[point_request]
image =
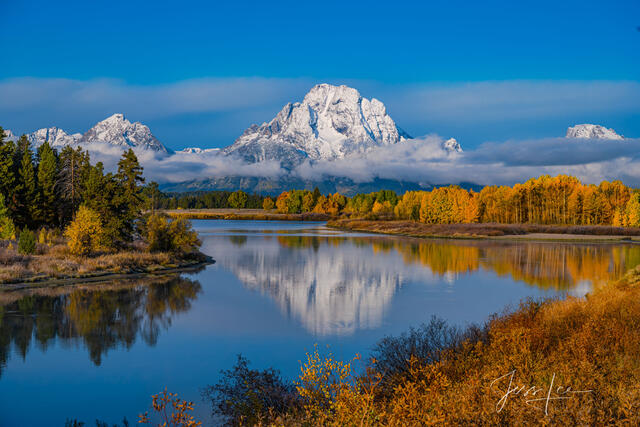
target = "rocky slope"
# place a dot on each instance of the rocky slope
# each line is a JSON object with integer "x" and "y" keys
{"x": 588, "y": 131}
{"x": 117, "y": 130}
{"x": 114, "y": 130}
{"x": 331, "y": 122}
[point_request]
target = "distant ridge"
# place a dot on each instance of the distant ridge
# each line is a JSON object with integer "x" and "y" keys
{"x": 114, "y": 130}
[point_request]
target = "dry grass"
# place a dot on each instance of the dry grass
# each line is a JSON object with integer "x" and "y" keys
{"x": 57, "y": 263}
{"x": 560, "y": 362}
{"x": 417, "y": 229}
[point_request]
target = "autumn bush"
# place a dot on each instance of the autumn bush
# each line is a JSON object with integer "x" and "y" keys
{"x": 268, "y": 204}
{"x": 85, "y": 234}
{"x": 170, "y": 235}
{"x": 169, "y": 411}
{"x": 556, "y": 362}
{"x": 238, "y": 199}
{"x": 585, "y": 352}
{"x": 245, "y": 396}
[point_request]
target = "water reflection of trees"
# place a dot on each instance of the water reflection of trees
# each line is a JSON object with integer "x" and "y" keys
{"x": 557, "y": 266}
{"x": 336, "y": 285}
{"x": 102, "y": 317}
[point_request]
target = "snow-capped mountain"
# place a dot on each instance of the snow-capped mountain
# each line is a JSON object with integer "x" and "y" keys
{"x": 587, "y": 131}
{"x": 117, "y": 130}
{"x": 114, "y": 130}
{"x": 452, "y": 145}
{"x": 331, "y": 122}
{"x": 56, "y": 137}
{"x": 9, "y": 136}
{"x": 198, "y": 150}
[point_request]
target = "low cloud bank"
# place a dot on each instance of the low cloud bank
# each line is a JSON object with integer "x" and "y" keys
{"x": 421, "y": 160}
{"x": 212, "y": 112}
{"x": 181, "y": 166}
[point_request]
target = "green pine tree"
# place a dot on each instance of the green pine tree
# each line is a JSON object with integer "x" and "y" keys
{"x": 74, "y": 168}
{"x": 47, "y": 178}
{"x": 152, "y": 195}
{"x": 26, "y": 188}
{"x": 7, "y": 169}
{"x": 130, "y": 179}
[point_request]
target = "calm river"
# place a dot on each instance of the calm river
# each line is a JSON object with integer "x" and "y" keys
{"x": 276, "y": 289}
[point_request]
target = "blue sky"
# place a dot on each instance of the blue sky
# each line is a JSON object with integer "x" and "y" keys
{"x": 478, "y": 71}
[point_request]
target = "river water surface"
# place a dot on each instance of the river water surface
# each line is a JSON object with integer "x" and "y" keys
{"x": 276, "y": 290}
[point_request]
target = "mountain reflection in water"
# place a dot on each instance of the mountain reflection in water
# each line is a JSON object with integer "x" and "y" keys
{"x": 102, "y": 317}
{"x": 336, "y": 285}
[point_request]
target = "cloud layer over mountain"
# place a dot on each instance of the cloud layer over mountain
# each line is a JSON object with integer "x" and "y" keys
{"x": 420, "y": 160}
{"x": 333, "y": 120}
{"x": 212, "y": 112}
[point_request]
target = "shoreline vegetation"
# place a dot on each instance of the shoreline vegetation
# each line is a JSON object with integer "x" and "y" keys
{"x": 63, "y": 218}
{"x": 245, "y": 214}
{"x": 56, "y": 268}
{"x": 543, "y": 208}
{"x": 596, "y": 233}
{"x": 572, "y": 361}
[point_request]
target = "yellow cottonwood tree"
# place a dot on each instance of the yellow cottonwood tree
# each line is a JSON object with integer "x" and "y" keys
{"x": 85, "y": 233}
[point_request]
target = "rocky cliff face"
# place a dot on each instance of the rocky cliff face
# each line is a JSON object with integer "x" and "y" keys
{"x": 114, "y": 130}
{"x": 331, "y": 122}
{"x": 587, "y": 131}
{"x": 117, "y": 130}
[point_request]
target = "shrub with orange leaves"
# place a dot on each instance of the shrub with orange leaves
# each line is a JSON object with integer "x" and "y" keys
{"x": 172, "y": 411}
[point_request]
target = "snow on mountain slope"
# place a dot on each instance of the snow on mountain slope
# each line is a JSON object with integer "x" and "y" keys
{"x": 117, "y": 130}
{"x": 452, "y": 145}
{"x": 114, "y": 130}
{"x": 198, "y": 150}
{"x": 331, "y": 122}
{"x": 588, "y": 131}
{"x": 56, "y": 137}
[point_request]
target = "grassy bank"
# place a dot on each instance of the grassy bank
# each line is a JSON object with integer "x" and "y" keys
{"x": 56, "y": 263}
{"x": 557, "y": 362}
{"x": 417, "y": 229}
{"x": 245, "y": 214}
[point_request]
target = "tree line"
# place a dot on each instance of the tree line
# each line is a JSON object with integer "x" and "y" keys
{"x": 53, "y": 191}
{"x": 561, "y": 199}
{"x": 46, "y": 188}
{"x": 208, "y": 200}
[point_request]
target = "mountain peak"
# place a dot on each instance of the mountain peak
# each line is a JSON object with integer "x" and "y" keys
{"x": 117, "y": 130}
{"x": 452, "y": 145}
{"x": 115, "y": 118}
{"x": 589, "y": 131}
{"x": 114, "y": 130}
{"x": 330, "y": 122}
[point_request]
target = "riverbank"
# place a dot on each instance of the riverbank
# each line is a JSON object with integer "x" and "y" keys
{"x": 570, "y": 361}
{"x": 244, "y": 214}
{"x": 491, "y": 231}
{"x": 57, "y": 267}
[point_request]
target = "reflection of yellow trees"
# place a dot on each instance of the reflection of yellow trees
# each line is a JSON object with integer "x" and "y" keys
{"x": 103, "y": 318}
{"x": 440, "y": 257}
{"x": 547, "y": 265}
{"x": 552, "y": 266}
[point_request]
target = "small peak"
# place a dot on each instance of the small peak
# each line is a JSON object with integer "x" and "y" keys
{"x": 117, "y": 117}
{"x": 326, "y": 88}
{"x": 590, "y": 131}
{"x": 452, "y": 145}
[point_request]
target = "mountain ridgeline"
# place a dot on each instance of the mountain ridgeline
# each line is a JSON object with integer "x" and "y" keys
{"x": 331, "y": 123}
{"x": 115, "y": 130}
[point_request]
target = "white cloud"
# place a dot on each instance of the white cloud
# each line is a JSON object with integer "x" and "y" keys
{"x": 214, "y": 111}
{"x": 74, "y": 105}
{"x": 180, "y": 167}
{"x": 421, "y": 160}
